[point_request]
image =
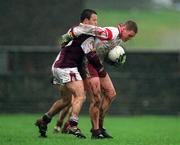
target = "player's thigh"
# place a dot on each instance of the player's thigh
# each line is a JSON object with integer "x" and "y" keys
{"x": 86, "y": 85}
{"x": 94, "y": 85}
{"x": 76, "y": 88}
{"x": 64, "y": 91}
{"x": 65, "y": 94}
{"x": 107, "y": 86}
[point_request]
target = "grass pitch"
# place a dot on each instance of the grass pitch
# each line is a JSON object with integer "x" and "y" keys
{"x": 19, "y": 129}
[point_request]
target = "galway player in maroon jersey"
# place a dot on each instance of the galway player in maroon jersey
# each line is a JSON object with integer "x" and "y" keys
{"x": 65, "y": 72}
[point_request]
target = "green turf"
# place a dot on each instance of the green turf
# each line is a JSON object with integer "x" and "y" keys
{"x": 158, "y": 29}
{"x": 138, "y": 130}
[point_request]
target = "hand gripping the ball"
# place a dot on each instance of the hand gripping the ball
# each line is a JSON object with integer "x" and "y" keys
{"x": 121, "y": 59}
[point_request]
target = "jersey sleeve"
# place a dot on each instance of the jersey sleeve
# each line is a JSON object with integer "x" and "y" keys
{"x": 100, "y": 32}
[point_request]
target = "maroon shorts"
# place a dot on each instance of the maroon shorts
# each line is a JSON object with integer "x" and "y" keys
{"x": 88, "y": 71}
{"x": 92, "y": 71}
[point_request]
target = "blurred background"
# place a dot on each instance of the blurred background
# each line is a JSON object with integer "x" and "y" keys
{"x": 149, "y": 82}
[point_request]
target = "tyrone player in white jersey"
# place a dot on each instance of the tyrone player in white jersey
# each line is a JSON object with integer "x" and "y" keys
{"x": 109, "y": 37}
{"x": 112, "y": 36}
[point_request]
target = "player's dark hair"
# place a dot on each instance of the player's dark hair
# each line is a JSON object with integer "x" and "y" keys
{"x": 131, "y": 25}
{"x": 86, "y": 14}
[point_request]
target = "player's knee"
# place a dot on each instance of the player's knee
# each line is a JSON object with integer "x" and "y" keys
{"x": 111, "y": 95}
{"x": 96, "y": 101}
{"x": 114, "y": 94}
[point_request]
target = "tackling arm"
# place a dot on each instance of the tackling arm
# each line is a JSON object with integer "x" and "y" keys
{"x": 94, "y": 60}
{"x": 101, "y": 33}
{"x": 88, "y": 48}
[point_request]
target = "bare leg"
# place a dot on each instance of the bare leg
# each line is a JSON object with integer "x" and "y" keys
{"x": 66, "y": 124}
{"x": 61, "y": 103}
{"x": 95, "y": 98}
{"x": 56, "y": 107}
{"x": 66, "y": 112}
{"x": 77, "y": 89}
{"x": 60, "y": 121}
{"x": 62, "y": 116}
{"x": 109, "y": 96}
{"x": 106, "y": 102}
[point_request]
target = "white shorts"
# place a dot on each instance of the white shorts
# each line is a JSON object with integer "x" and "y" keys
{"x": 65, "y": 75}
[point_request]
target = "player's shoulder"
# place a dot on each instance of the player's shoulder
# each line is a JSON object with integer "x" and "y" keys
{"x": 113, "y": 30}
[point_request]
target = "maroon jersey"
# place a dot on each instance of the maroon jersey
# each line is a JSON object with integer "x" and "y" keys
{"x": 72, "y": 54}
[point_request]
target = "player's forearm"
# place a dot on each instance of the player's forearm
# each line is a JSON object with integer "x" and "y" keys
{"x": 95, "y": 61}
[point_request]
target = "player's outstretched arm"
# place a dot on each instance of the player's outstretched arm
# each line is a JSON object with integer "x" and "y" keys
{"x": 102, "y": 33}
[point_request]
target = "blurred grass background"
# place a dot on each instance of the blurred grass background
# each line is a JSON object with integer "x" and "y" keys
{"x": 158, "y": 30}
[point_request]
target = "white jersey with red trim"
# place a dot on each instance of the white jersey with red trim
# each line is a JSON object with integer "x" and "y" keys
{"x": 106, "y": 37}
{"x": 104, "y": 46}
{"x": 110, "y": 36}
{"x": 109, "y": 43}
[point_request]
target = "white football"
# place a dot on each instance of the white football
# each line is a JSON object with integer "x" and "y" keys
{"x": 115, "y": 53}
